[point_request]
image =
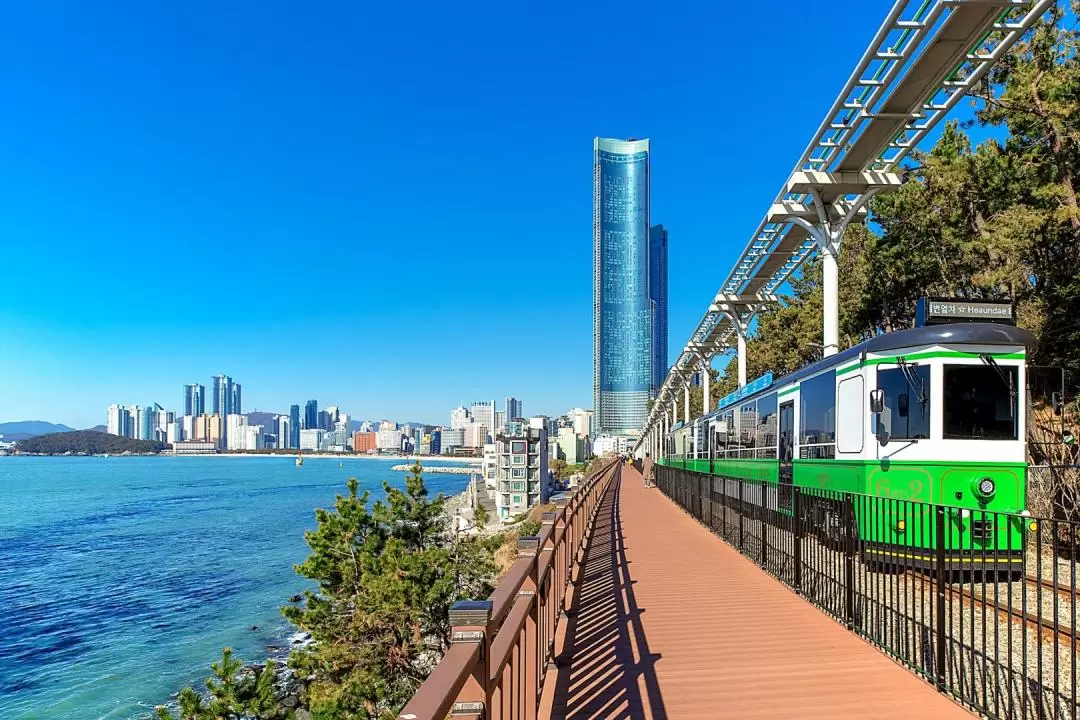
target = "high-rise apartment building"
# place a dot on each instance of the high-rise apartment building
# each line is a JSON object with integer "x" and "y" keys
{"x": 459, "y": 416}
{"x": 622, "y": 328}
{"x": 118, "y": 421}
{"x": 311, "y": 415}
{"x": 513, "y": 409}
{"x": 294, "y": 427}
{"x": 226, "y": 397}
{"x": 483, "y": 413}
{"x": 284, "y": 430}
{"x": 194, "y": 399}
{"x": 658, "y": 295}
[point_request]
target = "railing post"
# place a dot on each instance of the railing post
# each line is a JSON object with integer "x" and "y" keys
{"x": 763, "y": 514}
{"x": 796, "y": 535}
{"x": 847, "y": 519}
{"x": 563, "y": 554}
{"x": 742, "y": 507}
{"x": 939, "y": 547}
{"x": 529, "y": 547}
{"x": 548, "y": 587}
{"x": 470, "y": 622}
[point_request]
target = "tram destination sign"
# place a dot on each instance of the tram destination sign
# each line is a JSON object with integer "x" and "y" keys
{"x": 942, "y": 311}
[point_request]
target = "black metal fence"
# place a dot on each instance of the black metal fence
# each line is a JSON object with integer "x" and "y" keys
{"x": 981, "y": 604}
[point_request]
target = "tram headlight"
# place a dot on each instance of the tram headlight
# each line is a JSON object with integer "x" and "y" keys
{"x": 985, "y": 487}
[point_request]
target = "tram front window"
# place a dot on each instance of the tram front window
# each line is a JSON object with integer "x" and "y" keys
{"x": 980, "y": 402}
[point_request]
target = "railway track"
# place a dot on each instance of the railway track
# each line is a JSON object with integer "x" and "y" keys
{"x": 1047, "y": 628}
{"x": 1067, "y": 592}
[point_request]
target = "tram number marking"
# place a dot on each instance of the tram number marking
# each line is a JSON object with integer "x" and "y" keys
{"x": 910, "y": 490}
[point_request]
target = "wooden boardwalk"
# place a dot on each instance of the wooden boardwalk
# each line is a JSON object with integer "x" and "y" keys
{"x": 668, "y": 621}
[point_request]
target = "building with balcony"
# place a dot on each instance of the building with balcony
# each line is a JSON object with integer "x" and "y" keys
{"x": 521, "y": 471}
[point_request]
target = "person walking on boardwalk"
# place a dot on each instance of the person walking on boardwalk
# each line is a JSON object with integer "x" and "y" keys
{"x": 648, "y": 471}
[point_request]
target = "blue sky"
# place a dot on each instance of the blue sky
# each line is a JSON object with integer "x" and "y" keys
{"x": 384, "y": 206}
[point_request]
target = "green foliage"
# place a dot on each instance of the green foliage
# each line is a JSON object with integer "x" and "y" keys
{"x": 88, "y": 442}
{"x": 998, "y": 220}
{"x": 386, "y": 577}
{"x": 480, "y": 516}
{"x": 564, "y": 470}
{"x": 232, "y": 692}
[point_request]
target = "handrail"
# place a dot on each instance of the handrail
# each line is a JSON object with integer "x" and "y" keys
{"x": 501, "y": 646}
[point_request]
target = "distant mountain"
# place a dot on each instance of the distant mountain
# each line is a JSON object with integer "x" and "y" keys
{"x": 30, "y": 428}
{"x": 97, "y": 428}
{"x": 85, "y": 442}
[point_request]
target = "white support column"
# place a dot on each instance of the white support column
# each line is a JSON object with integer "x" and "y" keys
{"x": 830, "y": 289}
{"x": 686, "y": 403}
{"x": 827, "y": 235}
{"x": 705, "y": 365}
{"x": 674, "y": 408}
{"x": 740, "y": 333}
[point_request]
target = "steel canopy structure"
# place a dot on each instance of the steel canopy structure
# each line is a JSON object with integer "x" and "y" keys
{"x": 924, "y": 58}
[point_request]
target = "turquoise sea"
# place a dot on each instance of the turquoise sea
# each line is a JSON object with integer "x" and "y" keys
{"x": 122, "y": 578}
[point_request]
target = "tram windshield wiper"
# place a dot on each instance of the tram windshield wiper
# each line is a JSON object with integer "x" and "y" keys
{"x": 1005, "y": 378}
{"x": 913, "y": 380}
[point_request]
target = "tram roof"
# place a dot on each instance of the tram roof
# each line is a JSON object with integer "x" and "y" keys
{"x": 954, "y": 334}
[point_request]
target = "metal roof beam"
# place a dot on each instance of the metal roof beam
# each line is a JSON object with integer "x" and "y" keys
{"x": 842, "y": 183}
{"x": 785, "y": 211}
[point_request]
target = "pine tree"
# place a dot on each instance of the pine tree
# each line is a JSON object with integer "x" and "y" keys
{"x": 387, "y": 576}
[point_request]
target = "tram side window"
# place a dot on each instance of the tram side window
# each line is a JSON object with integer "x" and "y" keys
{"x": 817, "y": 401}
{"x": 748, "y": 424}
{"x": 980, "y": 402}
{"x": 907, "y": 401}
{"x": 765, "y": 433}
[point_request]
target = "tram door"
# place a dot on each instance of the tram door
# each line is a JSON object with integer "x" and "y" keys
{"x": 784, "y": 452}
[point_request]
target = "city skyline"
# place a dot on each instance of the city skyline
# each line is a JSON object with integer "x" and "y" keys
{"x": 298, "y": 167}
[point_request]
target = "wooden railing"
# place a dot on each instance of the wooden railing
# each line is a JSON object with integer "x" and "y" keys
{"x": 502, "y": 647}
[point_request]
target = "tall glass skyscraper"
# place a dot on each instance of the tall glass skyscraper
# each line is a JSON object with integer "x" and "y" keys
{"x": 194, "y": 399}
{"x": 658, "y": 239}
{"x": 622, "y": 323}
{"x": 294, "y": 426}
{"x": 311, "y": 415}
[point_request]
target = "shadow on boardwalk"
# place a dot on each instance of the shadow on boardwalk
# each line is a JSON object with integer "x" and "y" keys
{"x": 606, "y": 670}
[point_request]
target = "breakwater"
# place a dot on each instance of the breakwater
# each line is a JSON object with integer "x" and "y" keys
{"x": 467, "y": 470}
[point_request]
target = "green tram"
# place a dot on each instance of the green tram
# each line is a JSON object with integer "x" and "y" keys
{"x": 904, "y": 421}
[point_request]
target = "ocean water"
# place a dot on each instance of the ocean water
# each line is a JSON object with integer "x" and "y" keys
{"x": 122, "y": 578}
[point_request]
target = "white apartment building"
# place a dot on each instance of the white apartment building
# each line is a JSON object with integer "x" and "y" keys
{"x": 521, "y": 473}
{"x": 459, "y": 416}
{"x": 491, "y": 463}
{"x": 283, "y": 430}
{"x": 234, "y": 432}
{"x": 174, "y": 433}
{"x": 483, "y": 413}
{"x": 311, "y": 438}
{"x": 252, "y": 438}
{"x": 612, "y": 444}
{"x": 476, "y": 434}
{"x": 582, "y": 420}
{"x": 452, "y": 438}
{"x": 116, "y": 421}
{"x": 389, "y": 438}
